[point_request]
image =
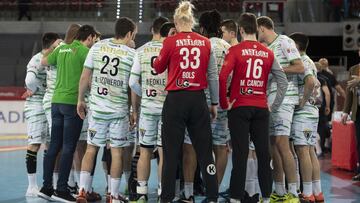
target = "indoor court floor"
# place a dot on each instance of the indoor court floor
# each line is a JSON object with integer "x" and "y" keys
{"x": 337, "y": 185}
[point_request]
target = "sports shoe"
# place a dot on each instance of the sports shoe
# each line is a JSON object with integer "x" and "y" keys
{"x": 319, "y": 198}
{"x": 63, "y": 196}
{"x": 107, "y": 197}
{"x": 310, "y": 199}
{"x": 141, "y": 199}
{"x": 46, "y": 193}
{"x": 274, "y": 198}
{"x": 81, "y": 198}
{"x": 247, "y": 199}
{"x": 118, "y": 199}
{"x": 186, "y": 200}
{"x": 356, "y": 178}
{"x": 93, "y": 196}
{"x": 291, "y": 198}
{"x": 74, "y": 190}
{"x": 32, "y": 191}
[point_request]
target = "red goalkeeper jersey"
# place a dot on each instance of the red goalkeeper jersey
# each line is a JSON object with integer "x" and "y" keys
{"x": 250, "y": 62}
{"x": 186, "y": 55}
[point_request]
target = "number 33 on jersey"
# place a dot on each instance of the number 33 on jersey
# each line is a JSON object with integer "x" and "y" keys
{"x": 188, "y": 56}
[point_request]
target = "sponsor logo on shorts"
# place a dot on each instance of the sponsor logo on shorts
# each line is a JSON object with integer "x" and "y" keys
{"x": 92, "y": 133}
{"x": 142, "y": 132}
{"x": 211, "y": 169}
{"x": 119, "y": 139}
{"x": 307, "y": 133}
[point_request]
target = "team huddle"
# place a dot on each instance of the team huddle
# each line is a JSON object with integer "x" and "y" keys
{"x": 184, "y": 98}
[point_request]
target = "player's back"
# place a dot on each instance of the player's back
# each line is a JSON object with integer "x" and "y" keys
{"x": 152, "y": 83}
{"x": 253, "y": 63}
{"x": 219, "y": 47}
{"x": 111, "y": 71}
{"x": 188, "y": 62}
{"x": 285, "y": 51}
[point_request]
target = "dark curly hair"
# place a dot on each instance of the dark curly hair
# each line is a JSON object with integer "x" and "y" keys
{"x": 210, "y": 21}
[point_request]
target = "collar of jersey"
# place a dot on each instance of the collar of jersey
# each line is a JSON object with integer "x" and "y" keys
{"x": 274, "y": 39}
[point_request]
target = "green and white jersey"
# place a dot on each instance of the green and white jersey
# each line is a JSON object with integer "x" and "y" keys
{"x": 36, "y": 79}
{"x": 285, "y": 52}
{"x": 111, "y": 64}
{"x": 219, "y": 48}
{"x": 309, "y": 112}
{"x": 50, "y": 86}
{"x": 152, "y": 85}
{"x": 310, "y": 70}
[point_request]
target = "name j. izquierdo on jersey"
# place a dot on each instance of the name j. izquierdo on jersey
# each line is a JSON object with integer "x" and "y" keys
{"x": 246, "y": 84}
{"x": 107, "y": 79}
{"x": 190, "y": 58}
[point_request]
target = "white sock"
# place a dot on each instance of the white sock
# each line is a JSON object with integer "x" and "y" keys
{"x": 115, "y": 184}
{"x": 106, "y": 176}
{"x": 257, "y": 185}
{"x": 292, "y": 187}
{"x": 266, "y": 200}
{"x": 316, "y": 185}
{"x": 32, "y": 180}
{"x": 90, "y": 182}
{"x": 142, "y": 187}
{"x": 159, "y": 189}
{"x": 127, "y": 175}
{"x": 280, "y": 188}
{"x": 71, "y": 181}
{"x": 84, "y": 180}
{"x": 297, "y": 173}
{"x": 177, "y": 188}
{"x": 77, "y": 176}
{"x": 189, "y": 189}
{"x": 55, "y": 179}
{"x": 250, "y": 177}
{"x": 307, "y": 189}
{"x": 109, "y": 183}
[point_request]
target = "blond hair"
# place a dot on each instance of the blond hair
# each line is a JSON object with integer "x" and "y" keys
{"x": 184, "y": 13}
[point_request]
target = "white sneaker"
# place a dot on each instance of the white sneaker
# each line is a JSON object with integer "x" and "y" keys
{"x": 32, "y": 191}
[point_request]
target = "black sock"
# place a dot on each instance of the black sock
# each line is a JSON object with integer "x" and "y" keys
{"x": 31, "y": 161}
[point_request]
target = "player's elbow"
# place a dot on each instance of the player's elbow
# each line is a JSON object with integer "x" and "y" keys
{"x": 301, "y": 68}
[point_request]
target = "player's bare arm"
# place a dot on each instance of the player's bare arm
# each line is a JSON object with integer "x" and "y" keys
{"x": 83, "y": 87}
{"x": 296, "y": 67}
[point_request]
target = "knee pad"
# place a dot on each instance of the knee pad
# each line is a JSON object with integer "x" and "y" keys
{"x": 31, "y": 161}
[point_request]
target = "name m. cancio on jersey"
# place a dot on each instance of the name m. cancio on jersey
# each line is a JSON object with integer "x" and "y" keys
{"x": 256, "y": 53}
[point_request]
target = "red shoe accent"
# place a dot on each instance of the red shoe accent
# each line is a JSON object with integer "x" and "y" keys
{"x": 319, "y": 198}
{"x": 81, "y": 197}
{"x": 310, "y": 198}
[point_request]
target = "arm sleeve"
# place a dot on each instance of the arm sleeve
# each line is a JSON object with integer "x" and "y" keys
{"x": 52, "y": 57}
{"x": 212, "y": 77}
{"x": 162, "y": 61}
{"x": 289, "y": 49}
{"x": 227, "y": 68}
{"x": 89, "y": 61}
{"x": 282, "y": 84}
{"x": 135, "y": 76}
{"x": 31, "y": 80}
